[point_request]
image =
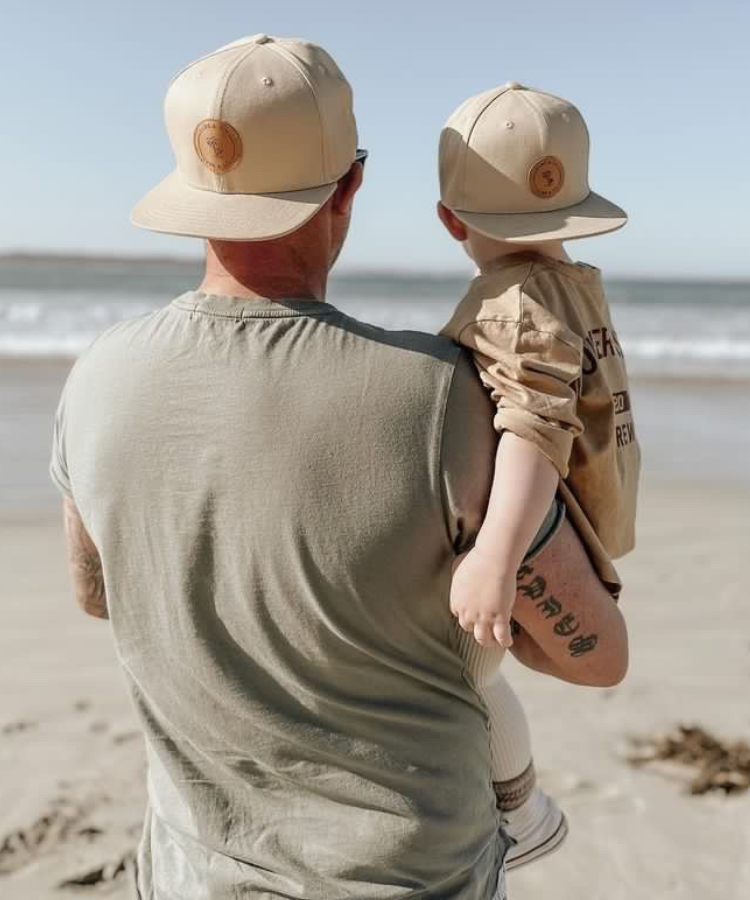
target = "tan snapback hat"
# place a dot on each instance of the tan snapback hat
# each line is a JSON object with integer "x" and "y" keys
{"x": 514, "y": 166}
{"x": 261, "y": 129}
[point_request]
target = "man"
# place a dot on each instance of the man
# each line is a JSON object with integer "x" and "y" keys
{"x": 266, "y": 498}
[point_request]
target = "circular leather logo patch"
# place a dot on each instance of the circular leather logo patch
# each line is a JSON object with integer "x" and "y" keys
{"x": 218, "y": 145}
{"x": 546, "y": 177}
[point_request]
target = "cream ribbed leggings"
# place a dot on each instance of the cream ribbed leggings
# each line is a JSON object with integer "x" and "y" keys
{"x": 510, "y": 740}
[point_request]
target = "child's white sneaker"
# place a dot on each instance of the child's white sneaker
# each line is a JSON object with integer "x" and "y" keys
{"x": 538, "y": 826}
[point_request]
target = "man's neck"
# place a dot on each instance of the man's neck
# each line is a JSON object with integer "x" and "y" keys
{"x": 261, "y": 288}
{"x": 270, "y": 274}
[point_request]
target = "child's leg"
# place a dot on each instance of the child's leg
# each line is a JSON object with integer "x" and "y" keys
{"x": 510, "y": 740}
{"x": 531, "y": 817}
{"x": 510, "y": 744}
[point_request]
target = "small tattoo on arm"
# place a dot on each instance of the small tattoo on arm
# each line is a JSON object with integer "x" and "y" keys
{"x": 523, "y": 572}
{"x": 549, "y": 607}
{"x": 534, "y": 589}
{"x": 583, "y": 643}
{"x": 85, "y": 566}
{"x": 566, "y": 624}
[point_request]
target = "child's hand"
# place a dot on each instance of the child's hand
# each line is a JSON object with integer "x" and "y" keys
{"x": 482, "y": 596}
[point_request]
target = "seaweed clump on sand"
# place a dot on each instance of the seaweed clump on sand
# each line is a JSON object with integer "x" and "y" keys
{"x": 716, "y": 765}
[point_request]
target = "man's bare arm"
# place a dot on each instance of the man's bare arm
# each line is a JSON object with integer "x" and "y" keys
{"x": 572, "y": 628}
{"x": 84, "y": 564}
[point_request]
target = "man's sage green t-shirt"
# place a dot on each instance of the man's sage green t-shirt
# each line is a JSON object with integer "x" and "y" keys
{"x": 277, "y": 492}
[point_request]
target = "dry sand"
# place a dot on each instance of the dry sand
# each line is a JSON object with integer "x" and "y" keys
{"x": 637, "y": 832}
{"x": 71, "y": 754}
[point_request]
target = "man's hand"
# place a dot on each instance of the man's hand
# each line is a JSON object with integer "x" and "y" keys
{"x": 482, "y": 597}
{"x": 84, "y": 564}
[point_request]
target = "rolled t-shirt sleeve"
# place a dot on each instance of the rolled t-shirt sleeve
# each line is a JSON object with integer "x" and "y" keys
{"x": 532, "y": 368}
{"x": 467, "y": 457}
{"x": 58, "y": 466}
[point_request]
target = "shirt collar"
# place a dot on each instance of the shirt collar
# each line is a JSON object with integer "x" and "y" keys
{"x": 224, "y": 305}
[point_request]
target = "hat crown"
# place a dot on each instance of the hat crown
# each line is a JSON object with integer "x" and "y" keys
{"x": 261, "y": 115}
{"x": 514, "y": 149}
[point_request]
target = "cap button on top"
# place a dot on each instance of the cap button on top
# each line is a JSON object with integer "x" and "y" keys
{"x": 514, "y": 86}
{"x": 261, "y": 38}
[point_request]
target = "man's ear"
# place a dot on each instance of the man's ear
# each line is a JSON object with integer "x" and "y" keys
{"x": 343, "y": 196}
{"x": 453, "y": 224}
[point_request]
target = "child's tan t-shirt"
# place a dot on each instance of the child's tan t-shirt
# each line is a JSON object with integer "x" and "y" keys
{"x": 542, "y": 338}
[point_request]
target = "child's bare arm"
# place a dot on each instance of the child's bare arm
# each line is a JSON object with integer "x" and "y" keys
{"x": 484, "y": 585}
{"x": 530, "y": 361}
{"x": 523, "y": 488}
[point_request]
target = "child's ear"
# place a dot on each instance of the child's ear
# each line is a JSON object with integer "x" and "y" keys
{"x": 453, "y": 224}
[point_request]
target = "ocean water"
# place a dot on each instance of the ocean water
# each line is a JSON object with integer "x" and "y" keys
{"x": 691, "y": 423}
{"x": 52, "y": 308}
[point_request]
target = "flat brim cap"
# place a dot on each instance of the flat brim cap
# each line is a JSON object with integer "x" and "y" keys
{"x": 594, "y": 215}
{"x": 175, "y": 207}
{"x": 262, "y": 129}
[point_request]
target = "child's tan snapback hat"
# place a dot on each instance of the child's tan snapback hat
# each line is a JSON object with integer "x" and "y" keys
{"x": 261, "y": 129}
{"x": 514, "y": 166}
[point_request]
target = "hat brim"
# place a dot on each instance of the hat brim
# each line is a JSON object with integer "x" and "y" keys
{"x": 594, "y": 215}
{"x": 175, "y": 207}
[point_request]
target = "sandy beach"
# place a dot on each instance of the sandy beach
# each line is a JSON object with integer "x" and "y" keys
{"x": 71, "y": 754}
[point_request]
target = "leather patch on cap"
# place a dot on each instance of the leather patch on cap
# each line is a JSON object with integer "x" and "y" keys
{"x": 218, "y": 145}
{"x": 546, "y": 177}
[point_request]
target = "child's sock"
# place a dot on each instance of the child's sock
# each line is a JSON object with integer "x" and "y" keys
{"x": 530, "y": 817}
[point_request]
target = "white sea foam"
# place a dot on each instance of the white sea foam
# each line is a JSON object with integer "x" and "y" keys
{"x": 688, "y": 340}
{"x": 42, "y": 348}
{"x": 665, "y": 348}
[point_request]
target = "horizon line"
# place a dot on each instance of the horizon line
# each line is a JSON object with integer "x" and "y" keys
{"x": 106, "y": 258}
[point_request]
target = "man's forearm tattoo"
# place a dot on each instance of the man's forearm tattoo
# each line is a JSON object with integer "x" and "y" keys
{"x": 85, "y": 566}
{"x": 566, "y": 624}
{"x": 549, "y": 608}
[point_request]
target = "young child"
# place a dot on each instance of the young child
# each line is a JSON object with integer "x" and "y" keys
{"x": 514, "y": 186}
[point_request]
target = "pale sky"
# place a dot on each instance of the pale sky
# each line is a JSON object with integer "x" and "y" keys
{"x": 664, "y": 88}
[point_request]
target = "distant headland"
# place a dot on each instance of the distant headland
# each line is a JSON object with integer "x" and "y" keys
{"x": 63, "y": 258}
